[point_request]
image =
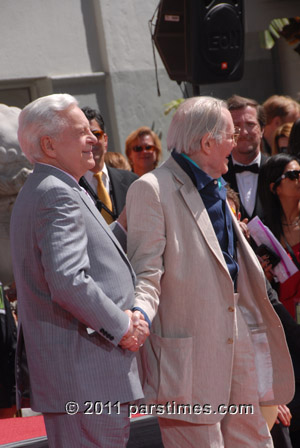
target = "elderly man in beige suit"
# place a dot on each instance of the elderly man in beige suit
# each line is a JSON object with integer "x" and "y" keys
{"x": 215, "y": 343}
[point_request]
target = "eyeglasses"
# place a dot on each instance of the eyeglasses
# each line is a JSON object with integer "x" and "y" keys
{"x": 98, "y": 134}
{"x": 143, "y": 147}
{"x": 250, "y": 126}
{"x": 292, "y": 175}
{"x": 235, "y": 136}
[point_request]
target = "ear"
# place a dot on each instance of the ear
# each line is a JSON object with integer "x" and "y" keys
{"x": 47, "y": 146}
{"x": 271, "y": 186}
{"x": 105, "y": 141}
{"x": 206, "y": 143}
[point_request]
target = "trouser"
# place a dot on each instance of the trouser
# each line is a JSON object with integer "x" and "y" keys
{"x": 88, "y": 431}
{"x": 234, "y": 430}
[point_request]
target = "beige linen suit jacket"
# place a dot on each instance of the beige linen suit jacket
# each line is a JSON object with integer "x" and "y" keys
{"x": 184, "y": 286}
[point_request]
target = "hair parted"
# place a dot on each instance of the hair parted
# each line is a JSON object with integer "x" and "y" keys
{"x": 194, "y": 118}
{"x": 269, "y": 172}
{"x": 116, "y": 160}
{"x": 39, "y": 118}
{"x": 140, "y": 132}
{"x": 236, "y": 102}
{"x": 279, "y": 106}
{"x": 94, "y": 114}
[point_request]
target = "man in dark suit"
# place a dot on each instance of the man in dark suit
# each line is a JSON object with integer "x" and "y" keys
{"x": 75, "y": 287}
{"x": 107, "y": 186}
{"x": 246, "y": 157}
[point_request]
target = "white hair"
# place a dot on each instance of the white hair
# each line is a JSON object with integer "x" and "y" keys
{"x": 39, "y": 118}
{"x": 194, "y": 118}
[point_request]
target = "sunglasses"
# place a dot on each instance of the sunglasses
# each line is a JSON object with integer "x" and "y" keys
{"x": 98, "y": 134}
{"x": 141, "y": 148}
{"x": 292, "y": 175}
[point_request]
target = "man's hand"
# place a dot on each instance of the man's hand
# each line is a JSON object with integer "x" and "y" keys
{"x": 137, "y": 333}
{"x": 284, "y": 415}
{"x": 267, "y": 267}
{"x": 244, "y": 228}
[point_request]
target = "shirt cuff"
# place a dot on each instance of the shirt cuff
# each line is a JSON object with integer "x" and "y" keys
{"x": 129, "y": 321}
{"x": 136, "y": 308}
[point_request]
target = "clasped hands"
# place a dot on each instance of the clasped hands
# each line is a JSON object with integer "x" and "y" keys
{"x": 137, "y": 333}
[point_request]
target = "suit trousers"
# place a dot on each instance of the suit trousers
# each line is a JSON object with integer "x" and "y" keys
{"x": 236, "y": 429}
{"x": 106, "y": 430}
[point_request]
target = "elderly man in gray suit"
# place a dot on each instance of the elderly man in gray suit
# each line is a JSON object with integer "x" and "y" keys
{"x": 75, "y": 287}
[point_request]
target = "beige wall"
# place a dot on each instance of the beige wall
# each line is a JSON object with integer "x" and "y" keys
{"x": 100, "y": 51}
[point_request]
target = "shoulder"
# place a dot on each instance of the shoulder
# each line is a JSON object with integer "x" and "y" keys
{"x": 264, "y": 158}
{"x": 159, "y": 183}
{"x": 115, "y": 173}
{"x": 51, "y": 192}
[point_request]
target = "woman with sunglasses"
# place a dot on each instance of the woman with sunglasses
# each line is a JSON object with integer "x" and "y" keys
{"x": 279, "y": 191}
{"x": 143, "y": 150}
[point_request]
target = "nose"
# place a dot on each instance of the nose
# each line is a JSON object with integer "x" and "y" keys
{"x": 243, "y": 130}
{"x": 93, "y": 138}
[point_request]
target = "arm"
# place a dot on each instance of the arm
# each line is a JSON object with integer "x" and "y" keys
{"x": 62, "y": 240}
{"x": 137, "y": 333}
{"x": 146, "y": 243}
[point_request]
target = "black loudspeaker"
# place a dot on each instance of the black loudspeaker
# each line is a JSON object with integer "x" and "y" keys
{"x": 199, "y": 41}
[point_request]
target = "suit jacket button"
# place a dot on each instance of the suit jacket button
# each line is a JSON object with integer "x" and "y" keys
{"x": 231, "y": 309}
{"x": 229, "y": 341}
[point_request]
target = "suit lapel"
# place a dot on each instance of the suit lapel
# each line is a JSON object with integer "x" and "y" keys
{"x": 230, "y": 178}
{"x": 50, "y": 170}
{"x": 95, "y": 212}
{"x": 258, "y": 209}
{"x": 196, "y": 207}
{"x": 118, "y": 189}
{"x": 92, "y": 208}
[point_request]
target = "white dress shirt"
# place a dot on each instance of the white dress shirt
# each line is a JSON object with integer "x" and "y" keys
{"x": 247, "y": 185}
{"x": 89, "y": 176}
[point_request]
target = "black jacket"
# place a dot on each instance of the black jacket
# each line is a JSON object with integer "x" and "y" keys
{"x": 231, "y": 180}
{"x": 120, "y": 181}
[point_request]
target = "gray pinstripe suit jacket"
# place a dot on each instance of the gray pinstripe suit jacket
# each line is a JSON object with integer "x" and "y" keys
{"x": 71, "y": 273}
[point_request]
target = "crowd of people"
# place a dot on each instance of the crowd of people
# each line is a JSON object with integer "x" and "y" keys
{"x": 137, "y": 281}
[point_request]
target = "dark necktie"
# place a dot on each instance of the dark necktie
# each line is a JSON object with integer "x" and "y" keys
{"x": 254, "y": 168}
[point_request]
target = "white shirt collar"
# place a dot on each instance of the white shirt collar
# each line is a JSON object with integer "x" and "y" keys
{"x": 59, "y": 169}
{"x": 256, "y": 160}
{"x": 89, "y": 175}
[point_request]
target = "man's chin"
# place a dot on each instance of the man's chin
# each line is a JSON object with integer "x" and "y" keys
{"x": 90, "y": 164}
{"x": 225, "y": 170}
